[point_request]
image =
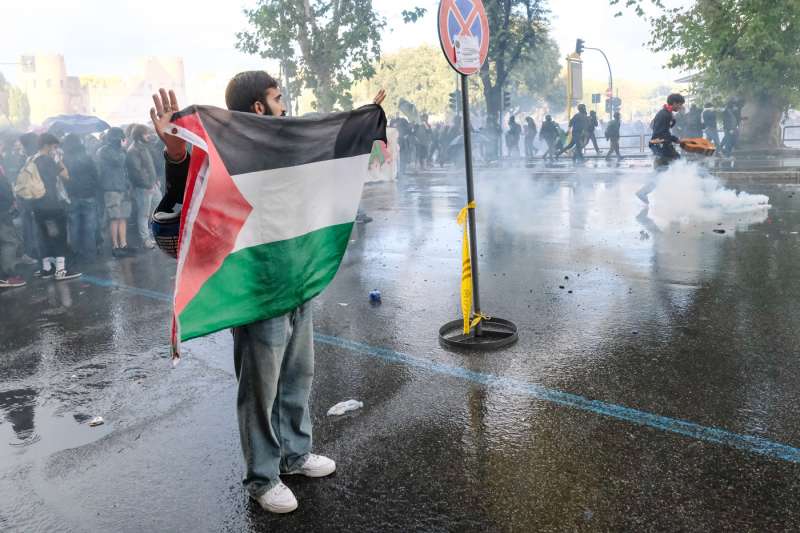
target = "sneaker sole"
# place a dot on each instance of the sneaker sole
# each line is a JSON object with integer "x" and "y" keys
{"x": 278, "y": 510}
{"x": 67, "y": 278}
{"x": 310, "y": 473}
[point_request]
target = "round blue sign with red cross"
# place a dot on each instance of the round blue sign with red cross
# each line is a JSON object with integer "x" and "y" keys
{"x": 464, "y": 34}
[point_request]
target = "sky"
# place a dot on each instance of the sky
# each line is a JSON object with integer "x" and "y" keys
{"x": 103, "y": 37}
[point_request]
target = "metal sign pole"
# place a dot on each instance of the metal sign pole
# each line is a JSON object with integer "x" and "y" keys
{"x": 466, "y": 48}
{"x": 473, "y": 241}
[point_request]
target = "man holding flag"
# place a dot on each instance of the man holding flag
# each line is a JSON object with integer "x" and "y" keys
{"x": 268, "y": 204}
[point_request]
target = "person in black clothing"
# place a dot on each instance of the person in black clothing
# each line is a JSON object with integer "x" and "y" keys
{"x": 530, "y": 137}
{"x": 694, "y": 122}
{"x": 9, "y": 242}
{"x": 30, "y": 234}
{"x": 82, "y": 187}
{"x": 590, "y": 134}
{"x": 710, "y": 124}
{"x": 512, "y": 137}
{"x": 549, "y": 134}
{"x": 612, "y": 136}
{"x": 731, "y": 126}
{"x": 579, "y": 125}
{"x": 50, "y": 212}
{"x": 662, "y": 141}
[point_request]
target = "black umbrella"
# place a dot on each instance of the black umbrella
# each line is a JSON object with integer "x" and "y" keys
{"x": 80, "y": 124}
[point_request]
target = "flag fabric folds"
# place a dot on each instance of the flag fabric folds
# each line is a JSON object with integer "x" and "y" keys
{"x": 268, "y": 209}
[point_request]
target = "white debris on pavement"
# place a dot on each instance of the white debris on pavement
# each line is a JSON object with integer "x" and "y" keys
{"x": 343, "y": 407}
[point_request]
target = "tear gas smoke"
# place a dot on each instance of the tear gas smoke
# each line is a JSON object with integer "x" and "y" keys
{"x": 686, "y": 192}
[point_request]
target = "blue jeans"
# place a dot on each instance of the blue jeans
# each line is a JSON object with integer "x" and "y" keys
{"x": 83, "y": 227}
{"x": 274, "y": 361}
{"x": 713, "y": 135}
{"x": 30, "y": 231}
{"x": 146, "y": 203}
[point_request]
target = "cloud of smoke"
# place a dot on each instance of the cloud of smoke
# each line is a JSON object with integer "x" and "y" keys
{"x": 685, "y": 192}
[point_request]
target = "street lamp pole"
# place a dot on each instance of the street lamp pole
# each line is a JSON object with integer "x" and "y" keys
{"x": 610, "y": 81}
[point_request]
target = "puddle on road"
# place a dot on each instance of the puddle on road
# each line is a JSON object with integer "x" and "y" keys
{"x": 30, "y": 431}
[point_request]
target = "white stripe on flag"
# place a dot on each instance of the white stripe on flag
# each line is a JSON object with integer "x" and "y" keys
{"x": 293, "y": 201}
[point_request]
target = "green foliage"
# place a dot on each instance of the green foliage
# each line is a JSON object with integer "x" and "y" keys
{"x": 517, "y": 29}
{"x": 537, "y": 73}
{"x": 556, "y": 96}
{"x": 19, "y": 109}
{"x": 420, "y": 75}
{"x": 748, "y": 49}
{"x": 413, "y": 15}
{"x": 337, "y": 41}
{"x": 740, "y": 47}
{"x": 15, "y": 110}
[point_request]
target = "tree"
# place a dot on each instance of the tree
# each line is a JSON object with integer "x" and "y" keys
{"x": 537, "y": 75}
{"x": 746, "y": 49}
{"x": 14, "y": 106}
{"x": 338, "y": 42}
{"x": 517, "y": 30}
{"x": 19, "y": 109}
{"x": 420, "y": 75}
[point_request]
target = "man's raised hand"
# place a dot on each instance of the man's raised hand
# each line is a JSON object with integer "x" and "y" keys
{"x": 380, "y": 97}
{"x": 161, "y": 115}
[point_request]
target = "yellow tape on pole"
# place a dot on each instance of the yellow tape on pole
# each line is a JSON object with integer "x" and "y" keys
{"x": 466, "y": 272}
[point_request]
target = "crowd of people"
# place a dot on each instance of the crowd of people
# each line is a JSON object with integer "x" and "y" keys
{"x": 65, "y": 199}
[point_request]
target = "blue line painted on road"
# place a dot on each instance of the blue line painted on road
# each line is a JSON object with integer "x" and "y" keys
{"x": 747, "y": 443}
{"x": 164, "y": 297}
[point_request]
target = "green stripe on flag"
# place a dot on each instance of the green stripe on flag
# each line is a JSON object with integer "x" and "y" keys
{"x": 265, "y": 281}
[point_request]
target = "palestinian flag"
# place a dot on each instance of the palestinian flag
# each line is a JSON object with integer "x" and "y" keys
{"x": 268, "y": 209}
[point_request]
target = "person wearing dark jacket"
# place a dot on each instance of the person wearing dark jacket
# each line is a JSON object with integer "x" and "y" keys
{"x": 662, "y": 141}
{"x": 694, "y": 122}
{"x": 590, "y": 134}
{"x": 29, "y": 142}
{"x": 549, "y": 134}
{"x": 612, "y": 136}
{"x": 144, "y": 180}
{"x": 9, "y": 242}
{"x": 730, "y": 124}
{"x": 114, "y": 177}
{"x": 50, "y": 212}
{"x": 710, "y": 124}
{"x": 82, "y": 188}
{"x": 530, "y": 137}
{"x": 579, "y": 126}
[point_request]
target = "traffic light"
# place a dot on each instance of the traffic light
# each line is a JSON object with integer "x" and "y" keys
{"x": 608, "y": 105}
{"x": 579, "y": 46}
{"x": 455, "y": 101}
{"x": 617, "y": 103}
{"x": 506, "y": 100}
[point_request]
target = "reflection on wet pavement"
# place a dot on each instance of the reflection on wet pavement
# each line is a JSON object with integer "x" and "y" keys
{"x": 577, "y": 427}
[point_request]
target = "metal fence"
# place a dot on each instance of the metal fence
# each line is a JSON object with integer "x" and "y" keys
{"x": 790, "y": 135}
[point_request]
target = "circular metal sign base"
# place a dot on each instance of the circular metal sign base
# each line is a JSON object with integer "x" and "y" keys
{"x": 496, "y": 333}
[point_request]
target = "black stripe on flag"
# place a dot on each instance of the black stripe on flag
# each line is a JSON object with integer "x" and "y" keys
{"x": 248, "y": 142}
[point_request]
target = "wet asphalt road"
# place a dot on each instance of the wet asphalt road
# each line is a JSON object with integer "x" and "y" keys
{"x": 659, "y": 395}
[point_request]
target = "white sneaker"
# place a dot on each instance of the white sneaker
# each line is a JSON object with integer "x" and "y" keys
{"x": 278, "y": 499}
{"x": 316, "y": 466}
{"x": 63, "y": 275}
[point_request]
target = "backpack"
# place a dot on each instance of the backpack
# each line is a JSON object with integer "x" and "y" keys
{"x": 29, "y": 184}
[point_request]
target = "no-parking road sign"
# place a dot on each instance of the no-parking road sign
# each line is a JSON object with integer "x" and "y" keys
{"x": 464, "y": 34}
